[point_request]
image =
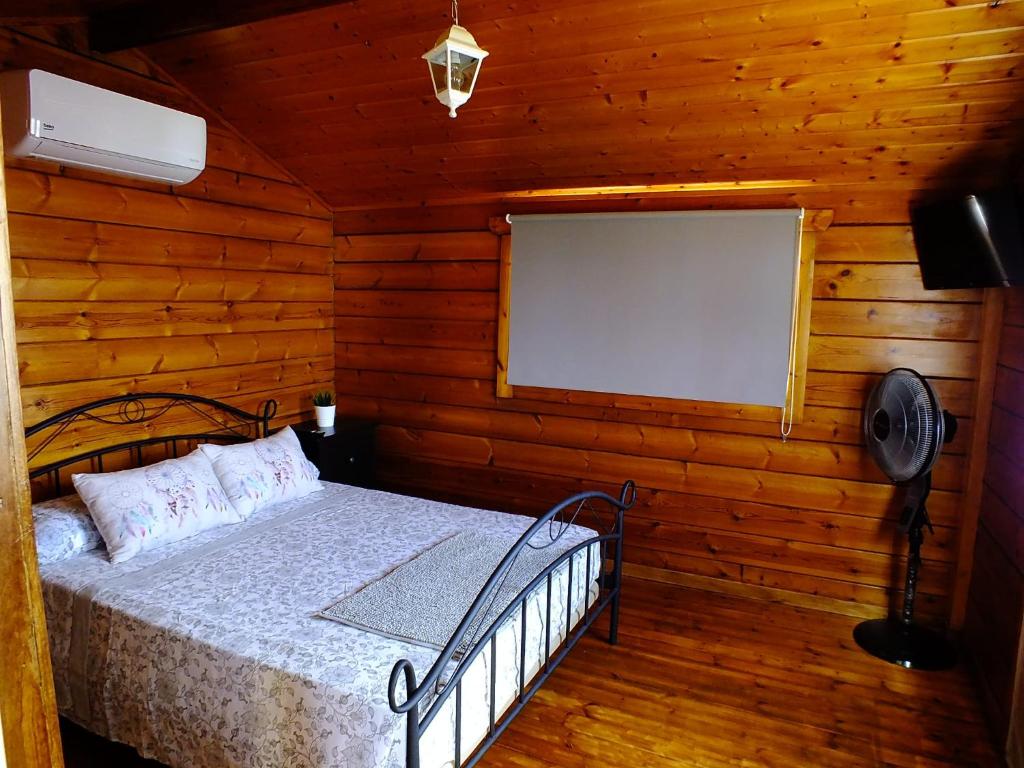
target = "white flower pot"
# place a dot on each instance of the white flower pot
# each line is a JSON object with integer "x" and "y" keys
{"x": 324, "y": 415}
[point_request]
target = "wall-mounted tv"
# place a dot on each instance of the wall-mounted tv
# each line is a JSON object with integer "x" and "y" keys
{"x": 973, "y": 241}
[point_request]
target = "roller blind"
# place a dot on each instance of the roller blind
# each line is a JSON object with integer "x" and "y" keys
{"x": 692, "y": 305}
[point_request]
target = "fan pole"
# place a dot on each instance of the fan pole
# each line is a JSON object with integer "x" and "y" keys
{"x": 899, "y": 640}
{"x": 916, "y": 536}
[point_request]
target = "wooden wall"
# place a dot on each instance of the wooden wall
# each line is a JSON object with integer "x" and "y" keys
{"x": 27, "y": 703}
{"x": 221, "y": 287}
{"x": 724, "y": 503}
{"x": 996, "y": 602}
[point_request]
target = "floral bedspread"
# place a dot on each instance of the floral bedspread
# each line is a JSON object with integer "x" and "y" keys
{"x": 208, "y": 653}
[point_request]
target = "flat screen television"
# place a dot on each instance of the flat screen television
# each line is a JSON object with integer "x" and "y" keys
{"x": 974, "y": 241}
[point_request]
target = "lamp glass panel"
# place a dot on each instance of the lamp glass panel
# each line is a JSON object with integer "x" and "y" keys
{"x": 464, "y": 69}
{"x": 438, "y": 74}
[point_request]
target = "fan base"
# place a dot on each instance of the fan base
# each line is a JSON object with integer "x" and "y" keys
{"x": 906, "y": 645}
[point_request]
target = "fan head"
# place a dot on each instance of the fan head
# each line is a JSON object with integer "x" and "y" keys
{"x": 905, "y": 426}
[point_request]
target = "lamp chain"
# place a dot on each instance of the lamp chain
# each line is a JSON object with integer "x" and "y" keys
{"x": 455, "y": 12}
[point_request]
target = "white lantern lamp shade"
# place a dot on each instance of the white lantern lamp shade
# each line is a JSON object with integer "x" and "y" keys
{"x": 454, "y": 64}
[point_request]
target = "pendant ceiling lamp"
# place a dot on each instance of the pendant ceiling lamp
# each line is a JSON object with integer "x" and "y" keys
{"x": 454, "y": 64}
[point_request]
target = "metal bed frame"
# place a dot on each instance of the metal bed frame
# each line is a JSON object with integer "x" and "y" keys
{"x": 424, "y": 700}
{"x": 230, "y": 425}
{"x": 419, "y": 713}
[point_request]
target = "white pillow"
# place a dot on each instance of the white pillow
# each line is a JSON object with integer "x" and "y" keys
{"x": 264, "y": 471}
{"x": 139, "y": 509}
{"x": 63, "y": 529}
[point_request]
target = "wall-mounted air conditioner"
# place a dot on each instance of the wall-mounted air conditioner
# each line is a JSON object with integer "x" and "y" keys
{"x": 48, "y": 117}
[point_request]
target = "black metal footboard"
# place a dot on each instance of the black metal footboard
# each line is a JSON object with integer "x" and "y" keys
{"x": 424, "y": 701}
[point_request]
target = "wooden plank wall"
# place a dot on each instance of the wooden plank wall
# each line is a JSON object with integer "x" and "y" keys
{"x": 724, "y": 504}
{"x": 220, "y": 288}
{"x": 27, "y": 702}
{"x": 995, "y": 609}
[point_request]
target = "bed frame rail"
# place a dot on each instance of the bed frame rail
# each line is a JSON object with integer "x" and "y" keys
{"x": 418, "y": 706}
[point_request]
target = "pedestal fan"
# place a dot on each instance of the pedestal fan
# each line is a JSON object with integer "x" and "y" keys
{"x": 905, "y": 428}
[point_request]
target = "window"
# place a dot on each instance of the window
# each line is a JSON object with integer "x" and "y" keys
{"x": 699, "y": 306}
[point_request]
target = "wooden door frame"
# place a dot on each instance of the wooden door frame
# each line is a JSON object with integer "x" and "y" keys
{"x": 28, "y": 710}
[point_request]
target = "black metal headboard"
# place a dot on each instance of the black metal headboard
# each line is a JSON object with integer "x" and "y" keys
{"x": 229, "y": 425}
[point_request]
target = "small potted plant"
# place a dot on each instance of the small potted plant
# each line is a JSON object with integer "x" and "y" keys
{"x": 324, "y": 405}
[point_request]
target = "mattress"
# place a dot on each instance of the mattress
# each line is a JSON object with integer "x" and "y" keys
{"x": 208, "y": 652}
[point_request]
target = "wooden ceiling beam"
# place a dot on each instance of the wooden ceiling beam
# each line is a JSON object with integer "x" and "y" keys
{"x": 31, "y": 12}
{"x": 635, "y": 57}
{"x": 608, "y": 28}
{"x": 853, "y": 205}
{"x": 393, "y": 192}
{"x": 783, "y": 75}
{"x": 34, "y": 20}
{"x": 881, "y": 124}
{"x": 140, "y": 23}
{"x": 731, "y": 155}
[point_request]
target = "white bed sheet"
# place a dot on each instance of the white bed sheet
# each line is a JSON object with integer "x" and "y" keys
{"x": 207, "y": 653}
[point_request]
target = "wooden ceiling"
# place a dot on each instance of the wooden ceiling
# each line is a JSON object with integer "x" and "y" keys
{"x": 831, "y": 95}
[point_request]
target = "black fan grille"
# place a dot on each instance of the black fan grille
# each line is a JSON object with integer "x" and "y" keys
{"x": 903, "y": 425}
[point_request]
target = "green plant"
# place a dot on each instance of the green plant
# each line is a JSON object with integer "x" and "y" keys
{"x": 323, "y": 397}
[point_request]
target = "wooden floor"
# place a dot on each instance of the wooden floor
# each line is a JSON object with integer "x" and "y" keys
{"x": 710, "y": 680}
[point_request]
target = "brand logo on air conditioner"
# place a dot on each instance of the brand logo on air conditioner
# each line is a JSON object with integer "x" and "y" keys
{"x": 47, "y": 126}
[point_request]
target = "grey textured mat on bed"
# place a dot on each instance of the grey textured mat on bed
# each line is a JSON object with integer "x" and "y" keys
{"x": 423, "y": 600}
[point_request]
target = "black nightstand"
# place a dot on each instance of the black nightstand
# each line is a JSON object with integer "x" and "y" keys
{"x": 343, "y": 454}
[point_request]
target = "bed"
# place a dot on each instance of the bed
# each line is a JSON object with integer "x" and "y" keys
{"x": 214, "y": 650}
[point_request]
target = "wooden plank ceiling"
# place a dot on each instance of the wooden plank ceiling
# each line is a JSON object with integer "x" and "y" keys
{"x": 839, "y": 95}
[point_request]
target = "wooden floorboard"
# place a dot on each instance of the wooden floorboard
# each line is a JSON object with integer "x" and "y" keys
{"x": 702, "y": 679}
